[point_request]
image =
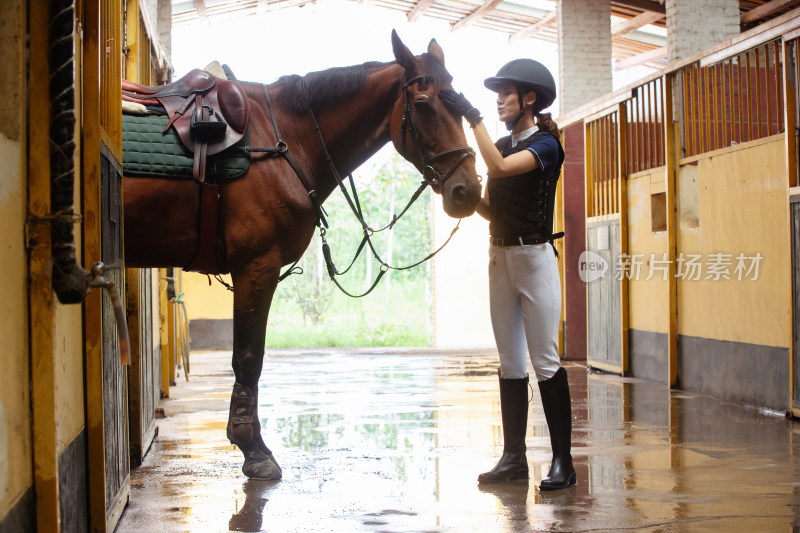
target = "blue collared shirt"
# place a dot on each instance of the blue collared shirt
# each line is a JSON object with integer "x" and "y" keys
{"x": 544, "y": 149}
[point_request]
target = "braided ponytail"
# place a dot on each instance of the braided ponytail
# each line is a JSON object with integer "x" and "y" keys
{"x": 546, "y": 123}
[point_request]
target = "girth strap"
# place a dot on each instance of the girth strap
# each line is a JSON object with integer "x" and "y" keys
{"x": 205, "y": 259}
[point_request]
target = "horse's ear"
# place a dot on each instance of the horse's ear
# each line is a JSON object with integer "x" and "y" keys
{"x": 402, "y": 54}
{"x": 436, "y": 51}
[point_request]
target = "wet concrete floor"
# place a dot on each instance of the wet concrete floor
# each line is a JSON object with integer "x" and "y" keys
{"x": 392, "y": 441}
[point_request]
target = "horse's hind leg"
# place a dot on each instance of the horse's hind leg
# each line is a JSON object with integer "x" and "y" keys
{"x": 253, "y": 291}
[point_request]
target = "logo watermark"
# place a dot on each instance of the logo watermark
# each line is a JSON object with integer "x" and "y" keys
{"x": 687, "y": 266}
{"x": 591, "y": 266}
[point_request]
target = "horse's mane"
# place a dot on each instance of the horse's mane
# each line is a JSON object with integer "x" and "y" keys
{"x": 318, "y": 89}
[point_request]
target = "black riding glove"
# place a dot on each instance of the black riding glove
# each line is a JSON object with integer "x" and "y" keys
{"x": 459, "y": 104}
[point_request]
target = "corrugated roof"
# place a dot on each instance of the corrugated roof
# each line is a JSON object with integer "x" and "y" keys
{"x": 644, "y": 43}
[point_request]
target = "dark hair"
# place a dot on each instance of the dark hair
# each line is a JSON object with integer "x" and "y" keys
{"x": 546, "y": 123}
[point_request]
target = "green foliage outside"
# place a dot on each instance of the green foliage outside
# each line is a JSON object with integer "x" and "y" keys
{"x": 310, "y": 311}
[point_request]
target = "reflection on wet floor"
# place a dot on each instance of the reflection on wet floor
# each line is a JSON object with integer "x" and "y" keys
{"x": 394, "y": 441}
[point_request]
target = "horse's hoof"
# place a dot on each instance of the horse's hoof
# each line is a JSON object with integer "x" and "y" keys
{"x": 265, "y": 468}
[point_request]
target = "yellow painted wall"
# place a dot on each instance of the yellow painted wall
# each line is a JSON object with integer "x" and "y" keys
{"x": 68, "y": 352}
{"x": 68, "y": 365}
{"x": 16, "y": 474}
{"x": 55, "y": 405}
{"x": 203, "y": 300}
{"x": 741, "y": 205}
{"x": 68, "y": 326}
{"x": 646, "y": 297}
{"x": 155, "y": 289}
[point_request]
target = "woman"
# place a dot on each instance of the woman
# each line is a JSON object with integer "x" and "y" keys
{"x": 524, "y": 287}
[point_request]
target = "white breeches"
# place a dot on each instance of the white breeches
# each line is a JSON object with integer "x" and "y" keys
{"x": 525, "y": 305}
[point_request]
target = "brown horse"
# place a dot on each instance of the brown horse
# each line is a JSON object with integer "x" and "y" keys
{"x": 266, "y": 219}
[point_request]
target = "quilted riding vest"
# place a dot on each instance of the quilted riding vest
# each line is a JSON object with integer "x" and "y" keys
{"x": 522, "y": 205}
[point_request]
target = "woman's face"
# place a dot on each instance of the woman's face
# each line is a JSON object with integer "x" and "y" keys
{"x": 508, "y": 102}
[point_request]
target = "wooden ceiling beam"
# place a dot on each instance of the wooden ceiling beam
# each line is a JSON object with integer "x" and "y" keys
{"x": 419, "y": 10}
{"x": 644, "y": 5}
{"x": 643, "y": 19}
{"x": 534, "y": 28}
{"x": 476, "y": 15}
{"x": 640, "y": 59}
{"x": 765, "y": 10}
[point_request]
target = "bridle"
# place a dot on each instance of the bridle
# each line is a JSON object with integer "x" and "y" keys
{"x": 430, "y": 177}
{"x": 429, "y": 173}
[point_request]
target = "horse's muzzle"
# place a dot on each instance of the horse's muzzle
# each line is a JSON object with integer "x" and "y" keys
{"x": 460, "y": 195}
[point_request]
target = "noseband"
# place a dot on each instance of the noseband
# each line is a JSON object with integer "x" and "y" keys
{"x": 431, "y": 175}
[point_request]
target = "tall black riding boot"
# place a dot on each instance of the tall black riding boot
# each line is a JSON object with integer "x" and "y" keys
{"x": 514, "y": 408}
{"x": 558, "y": 412}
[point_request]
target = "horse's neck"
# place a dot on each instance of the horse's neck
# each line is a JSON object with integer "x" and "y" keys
{"x": 354, "y": 131}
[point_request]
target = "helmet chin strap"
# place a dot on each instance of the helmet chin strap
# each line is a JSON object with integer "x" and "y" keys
{"x": 510, "y": 125}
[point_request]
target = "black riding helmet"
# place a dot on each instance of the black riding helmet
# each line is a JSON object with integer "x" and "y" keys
{"x": 526, "y": 74}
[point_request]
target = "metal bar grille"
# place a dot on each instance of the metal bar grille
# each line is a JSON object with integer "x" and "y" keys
{"x": 792, "y": 80}
{"x": 645, "y": 127}
{"x": 737, "y": 100}
{"x": 602, "y": 179}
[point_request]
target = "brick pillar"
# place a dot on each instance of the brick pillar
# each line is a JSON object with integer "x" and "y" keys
{"x": 164, "y": 30}
{"x": 584, "y": 51}
{"x": 695, "y": 25}
{"x": 164, "y": 25}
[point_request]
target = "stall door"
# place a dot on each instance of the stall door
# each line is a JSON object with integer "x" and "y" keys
{"x": 606, "y": 242}
{"x": 115, "y": 390}
{"x": 144, "y": 376}
{"x": 603, "y": 312}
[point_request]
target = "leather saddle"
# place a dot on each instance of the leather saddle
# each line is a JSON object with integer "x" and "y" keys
{"x": 209, "y": 114}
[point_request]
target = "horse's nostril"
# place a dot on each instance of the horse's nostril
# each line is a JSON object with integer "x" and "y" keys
{"x": 459, "y": 193}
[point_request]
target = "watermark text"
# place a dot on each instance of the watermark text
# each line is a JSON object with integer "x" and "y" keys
{"x": 715, "y": 266}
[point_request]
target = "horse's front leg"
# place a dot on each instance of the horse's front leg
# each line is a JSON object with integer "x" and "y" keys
{"x": 254, "y": 287}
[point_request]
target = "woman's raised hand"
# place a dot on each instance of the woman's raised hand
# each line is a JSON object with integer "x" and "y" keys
{"x": 459, "y": 104}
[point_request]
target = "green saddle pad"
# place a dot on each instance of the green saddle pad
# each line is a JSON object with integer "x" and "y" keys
{"x": 148, "y": 152}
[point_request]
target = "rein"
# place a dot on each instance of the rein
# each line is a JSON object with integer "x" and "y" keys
{"x": 430, "y": 177}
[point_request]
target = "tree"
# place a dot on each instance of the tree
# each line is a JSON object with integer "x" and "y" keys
{"x": 312, "y": 290}
{"x": 382, "y": 189}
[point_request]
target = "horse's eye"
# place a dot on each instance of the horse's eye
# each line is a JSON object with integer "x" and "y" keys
{"x": 423, "y": 104}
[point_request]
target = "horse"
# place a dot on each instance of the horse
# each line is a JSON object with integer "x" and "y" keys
{"x": 329, "y": 122}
